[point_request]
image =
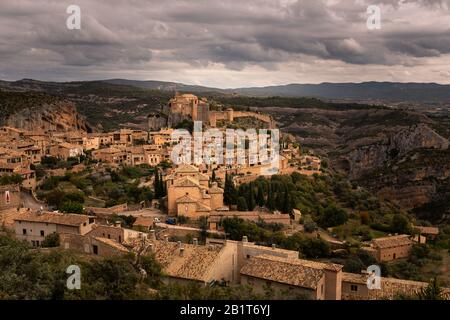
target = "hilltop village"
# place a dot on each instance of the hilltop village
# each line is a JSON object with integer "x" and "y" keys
{"x": 113, "y": 193}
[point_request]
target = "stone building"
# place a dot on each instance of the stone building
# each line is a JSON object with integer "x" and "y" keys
{"x": 391, "y": 248}
{"x": 33, "y": 227}
{"x": 189, "y": 193}
{"x": 293, "y": 277}
{"x": 354, "y": 287}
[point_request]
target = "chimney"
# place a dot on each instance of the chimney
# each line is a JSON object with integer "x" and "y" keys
{"x": 180, "y": 245}
{"x": 150, "y": 247}
{"x": 244, "y": 239}
{"x": 166, "y": 238}
{"x": 118, "y": 224}
{"x": 274, "y": 246}
{"x": 152, "y": 235}
{"x": 195, "y": 241}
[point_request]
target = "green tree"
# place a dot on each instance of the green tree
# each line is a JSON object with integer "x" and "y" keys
{"x": 242, "y": 204}
{"x": 230, "y": 196}
{"x": 270, "y": 198}
{"x": 260, "y": 195}
{"x": 251, "y": 197}
{"x": 400, "y": 224}
{"x": 432, "y": 292}
{"x": 51, "y": 240}
{"x": 332, "y": 216}
{"x": 71, "y": 207}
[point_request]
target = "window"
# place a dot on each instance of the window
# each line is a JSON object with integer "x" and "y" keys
{"x": 321, "y": 289}
{"x": 24, "y": 231}
{"x": 248, "y": 256}
{"x": 354, "y": 287}
{"x": 95, "y": 249}
{"x": 42, "y": 233}
{"x": 109, "y": 236}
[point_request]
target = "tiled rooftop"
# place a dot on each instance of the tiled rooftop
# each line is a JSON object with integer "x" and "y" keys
{"x": 112, "y": 244}
{"x": 390, "y": 287}
{"x": 393, "y": 241}
{"x": 54, "y": 218}
{"x": 195, "y": 263}
{"x": 296, "y": 272}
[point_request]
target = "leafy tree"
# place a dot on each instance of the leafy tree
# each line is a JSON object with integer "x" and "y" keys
{"x": 314, "y": 248}
{"x": 55, "y": 197}
{"x": 51, "y": 240}
{"x": 432, "y": 292}
{"x": 11, "y": 179}
{"x": 310, "y": 226}
{"x": 71, "y": 207}
{"x": 332, "y": 216}
{"x": 400, "y": 224}
{"x": 353, "y": 265}
{"x": 242, "y": 204}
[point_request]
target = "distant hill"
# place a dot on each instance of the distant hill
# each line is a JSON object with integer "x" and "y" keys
{"x": 390, "y": 91}
{"x": 387, "y": 91}
{"x": 162, "y": 85}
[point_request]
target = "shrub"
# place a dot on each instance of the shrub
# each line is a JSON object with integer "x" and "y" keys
{"x": 72, "y": 207}
{"x": 51, "y": 240}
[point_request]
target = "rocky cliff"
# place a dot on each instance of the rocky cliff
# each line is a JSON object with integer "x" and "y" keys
{"x": 366, "y": 158}
{"x": 38, "y": 111}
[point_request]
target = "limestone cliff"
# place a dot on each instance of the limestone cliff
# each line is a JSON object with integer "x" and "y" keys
{"x": 36, "y": 111}
{"x": 366, "y": 158}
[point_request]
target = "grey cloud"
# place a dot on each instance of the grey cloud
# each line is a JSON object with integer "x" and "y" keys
{"x": 121, "y": 36}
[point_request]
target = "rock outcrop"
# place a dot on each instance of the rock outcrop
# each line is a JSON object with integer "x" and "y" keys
{"x": 39, "y": 112}
{"x": 366, "y": 158}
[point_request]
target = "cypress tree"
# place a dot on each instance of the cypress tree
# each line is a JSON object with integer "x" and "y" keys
{"x": 242, "y": 204}
{"x": 270, "y": 197}
{"x": 162, "y": 186}
{"x": 251, "y": 197}
{"x": 287, "y": 208}
{"x": 156, "y": 185}
{"x": 260, "y": 195}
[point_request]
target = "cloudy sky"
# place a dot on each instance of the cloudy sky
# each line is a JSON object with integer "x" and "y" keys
{"x": 226, "y": 43}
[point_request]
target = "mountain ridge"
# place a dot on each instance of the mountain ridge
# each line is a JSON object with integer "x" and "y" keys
{"x": 371, "y": 90}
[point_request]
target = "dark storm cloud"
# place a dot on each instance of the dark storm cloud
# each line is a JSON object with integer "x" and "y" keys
{"x": 180, "y": 35}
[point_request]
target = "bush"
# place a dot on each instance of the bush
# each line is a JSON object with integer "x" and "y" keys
{"x": 51, "y": 240}
{"x": 400, "y": 224}
{"x": 332, "y": 217}
{"x": 310, "y": 226}
{"x": 314, "y": 248}
{"x": 74, "y": 197}
{"x": 72, "y": 207}
{"x": 11, "y": 179}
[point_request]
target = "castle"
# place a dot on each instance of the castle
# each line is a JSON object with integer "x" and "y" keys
{"x": 190, "y": 107}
